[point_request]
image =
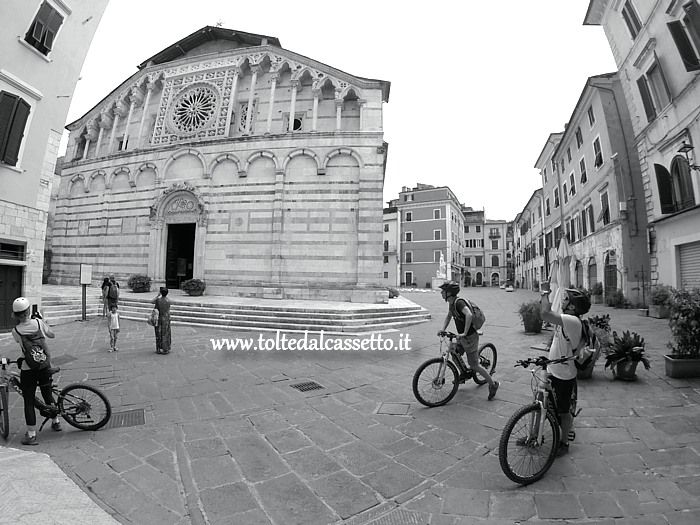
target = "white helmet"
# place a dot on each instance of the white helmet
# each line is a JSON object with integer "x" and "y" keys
{"x": 20, "y": 305}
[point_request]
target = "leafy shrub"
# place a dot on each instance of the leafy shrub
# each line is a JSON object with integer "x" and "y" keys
{"x": 393, "y": 292}
{"x": 597, "y": 289}
{"x": 193, "y": 286}
{"x": 661, "y": 295}
{"x": 531, "y": 315}
{"x": 684, "y": 321}
{"x": 616, "y": 299}
{"x": 139, "y": 283}
{"x": 629, "y": 347}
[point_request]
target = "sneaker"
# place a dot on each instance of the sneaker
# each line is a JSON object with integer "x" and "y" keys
{"x": 493, "y": 389}
{"x": 26, "y": 440}
{"x": 56, "y": 426}
{"x": 562, "y": 449}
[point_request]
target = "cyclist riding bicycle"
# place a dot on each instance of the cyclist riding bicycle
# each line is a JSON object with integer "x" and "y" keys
{"x": 36, "y": 330}
{"x": 567, "y": 335}
{"x": 467, "y": 335}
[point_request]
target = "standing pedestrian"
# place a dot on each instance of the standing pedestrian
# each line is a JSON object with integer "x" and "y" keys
{"x": 105, "y": 290}
{"x": 35, "y": 370}
{"x": 162, "y": 303}
{"x": 575, "y": 303}
{"x": 467, "y": 335}
{"x": 112, "y": 293}
{"x": 113, "y": 325}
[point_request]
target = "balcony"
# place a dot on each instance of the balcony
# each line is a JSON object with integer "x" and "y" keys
{"x": 495, "y": 235}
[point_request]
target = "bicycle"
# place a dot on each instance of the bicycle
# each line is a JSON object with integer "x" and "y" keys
{"x": 529, "y": 441}
{"x": 436, "y": 381}
{"x": 82, "y": 405}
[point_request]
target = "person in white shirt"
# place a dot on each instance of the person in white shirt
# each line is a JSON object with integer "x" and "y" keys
{"x": 113, "y": 325}
{"x": 567, "y": 335}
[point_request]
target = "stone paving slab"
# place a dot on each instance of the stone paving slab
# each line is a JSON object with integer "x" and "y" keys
{"x": 227, "y": 440}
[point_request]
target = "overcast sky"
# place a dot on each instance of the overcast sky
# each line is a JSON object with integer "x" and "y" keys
{"x": 476, "y": 87}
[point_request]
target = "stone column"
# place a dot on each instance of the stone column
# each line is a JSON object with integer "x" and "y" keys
{"x": 76, "y": 146}
{"x": 136, "y": 98}
{"x": 232, "y": 99}
{"x": 361, "y": 103}
{"x": 277, "y": 219}
{"x": 292, "y": 106}
{"x": 150, "y": 86}
{"x": 105, "y": 123}
{"x": 314, "y": 121}
{"x": 249, "y": 116}
{"x": 338, "y": 110}
{"x": 119, "y": 111}
{"x": 275, "y": 77}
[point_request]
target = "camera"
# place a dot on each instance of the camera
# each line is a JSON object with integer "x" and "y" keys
{"x": 36, "y": 315}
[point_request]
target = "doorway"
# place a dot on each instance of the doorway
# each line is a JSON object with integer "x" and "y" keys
{"x": 10, "y": 289}
{"x": 179, "y": 257}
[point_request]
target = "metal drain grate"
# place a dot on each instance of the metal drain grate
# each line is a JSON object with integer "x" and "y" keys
{"x": 309, "y": 385}
{"x": 130, "y": 418}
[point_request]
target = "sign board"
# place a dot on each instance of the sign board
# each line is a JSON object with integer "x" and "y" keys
{"x": 85, "y": 273}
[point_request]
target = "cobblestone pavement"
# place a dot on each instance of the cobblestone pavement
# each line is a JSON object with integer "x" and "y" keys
{"x": 226, "y": 439}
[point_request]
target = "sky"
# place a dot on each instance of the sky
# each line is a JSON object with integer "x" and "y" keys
{"x": 476, "y": 87}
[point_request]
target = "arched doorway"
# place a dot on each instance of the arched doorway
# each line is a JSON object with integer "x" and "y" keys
{"x": 610, "y": 272}
{"x": 495, "y": 279}
{"x": 479, "y": 279}
{"x": 468, "y": 279}
{"x": 592, "y": 272}
{"x": 579, "y": 274}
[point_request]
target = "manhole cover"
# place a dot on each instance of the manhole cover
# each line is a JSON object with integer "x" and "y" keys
{"x": 401, "y": 517}
{"x": 62, "y": 360}
{"x": 309, "y": 385}
{"x": 130, "y": 418}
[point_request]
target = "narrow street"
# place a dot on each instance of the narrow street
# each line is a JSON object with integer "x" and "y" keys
{"x": 226, "y": 439}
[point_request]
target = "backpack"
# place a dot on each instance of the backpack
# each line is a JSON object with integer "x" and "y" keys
{"x": 113, "y": 291}
{"x": 588, "y": 348}
{"x": 478, "y": 317}
{"x": 36, "y": 353}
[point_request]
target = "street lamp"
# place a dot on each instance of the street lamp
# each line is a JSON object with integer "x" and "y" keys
{"x": 685, "y": 149}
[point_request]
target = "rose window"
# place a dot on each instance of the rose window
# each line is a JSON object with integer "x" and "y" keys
{"x": 194, "y": 109}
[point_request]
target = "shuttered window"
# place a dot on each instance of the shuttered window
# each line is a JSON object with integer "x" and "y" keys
{"x": 682, "y": 183}
{"x": 631, "y": 19}
{"x": 14, "y": 112}
{"x": 685, "y": 48}
{"x": 665, "y": 186}
{"x": 646, "y": 98}
{"x": 690, "y": 265}
{"x": 43, "y": 30}
{"x": 692, "y": 21}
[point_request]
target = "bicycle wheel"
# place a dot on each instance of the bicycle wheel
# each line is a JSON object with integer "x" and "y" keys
{"x": 4, "y": 413}
{"x": 84, "y": 406}
{"x": 429, "y": 388}
{"x": 522, "y": 459}
{"x": 487, "y": 359}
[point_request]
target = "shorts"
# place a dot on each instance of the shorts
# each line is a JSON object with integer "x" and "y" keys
{"x": 470, "y": 343}
{"x": 563, "y": 389}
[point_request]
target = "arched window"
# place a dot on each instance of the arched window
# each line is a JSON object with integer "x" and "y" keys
{"x": 494, "y": 261}
{"x": 665, "y": 186}
{"x": 682, "y": 183}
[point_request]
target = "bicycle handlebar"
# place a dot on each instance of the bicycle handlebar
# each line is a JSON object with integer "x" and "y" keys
{"x": 5, "y": 361}
{"x": 542, "y": 361}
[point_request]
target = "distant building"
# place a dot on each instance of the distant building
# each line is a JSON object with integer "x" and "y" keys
{"x": 593, "y": 193}
{"x": 474, "y": 248}
{"x": 496, "y": 250}
{"x": 656, "y": 46}
{"x": 391, "y": 263}
{"x": 431, "y": 227}
{"x": 229, "y": 159}
{"x": 44, "y": 44}
{"x": 529, "y": 244}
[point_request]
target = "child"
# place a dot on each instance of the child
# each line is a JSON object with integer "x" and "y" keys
{"x": 113, "y": 325}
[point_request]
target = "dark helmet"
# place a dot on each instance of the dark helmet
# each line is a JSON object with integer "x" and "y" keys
{"x": 451, "y": 287}
{"x": 580, "y": 300}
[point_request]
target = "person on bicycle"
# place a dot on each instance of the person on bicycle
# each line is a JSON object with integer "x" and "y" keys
{"x": 567, "y": 336}
{"x": 467, "y": 336}
{"x": 32, "y": 378}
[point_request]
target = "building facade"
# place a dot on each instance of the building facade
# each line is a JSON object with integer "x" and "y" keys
{"x": 44, "y": 44}
{"x": 529, "y": 244}
{"x": 229, "y": 159}
{"x": 474, "y": 248}
{"x": 656, "y": 46}
{"x": 431, "y": 226}
{"x": 391, "y": 263}
{"x": 593, "y": 193}
{"x": 496, "y": 250}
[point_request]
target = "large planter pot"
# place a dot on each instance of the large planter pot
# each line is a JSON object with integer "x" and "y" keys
{"x": 682, "y": 367}
{"x": 533, "y": 326}
{"x": 586, "y": 373}
{"x": 195, "y": 293}
{"x": 625, "y": 370}
{"x": 659, "y": 311}
{"x": 597, "y": 299}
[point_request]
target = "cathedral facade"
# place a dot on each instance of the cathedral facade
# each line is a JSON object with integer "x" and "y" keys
{"x": 229, "y": 159}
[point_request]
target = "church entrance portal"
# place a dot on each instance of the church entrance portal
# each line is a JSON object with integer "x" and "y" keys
{"x": 179, "y": 259}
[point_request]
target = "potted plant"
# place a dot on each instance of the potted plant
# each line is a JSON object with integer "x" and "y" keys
{"x": 625, "y": 354}
{"x": 616, "y": 299}
{"x": 684, "y": 320}
{"x": 531, "y": 316}
{"x": 193, "y": 287}
{"x": 139, "y": 283}
{"x": 600, "y": 326}
{"x": 660, "y": 306}
{"x": 597, "y": 293}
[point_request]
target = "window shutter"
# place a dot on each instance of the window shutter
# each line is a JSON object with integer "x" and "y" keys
{"x": 14, "y": 138}
{"x": 646, "y": 98}
{"x": 7, "y": 109}
{"x": 663, "y": 182}
{"x": 692, "y": 21}
{"x": 680, "y": 37}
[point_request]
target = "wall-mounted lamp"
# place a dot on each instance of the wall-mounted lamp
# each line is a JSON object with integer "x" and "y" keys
{"x": 685, "y": 149}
